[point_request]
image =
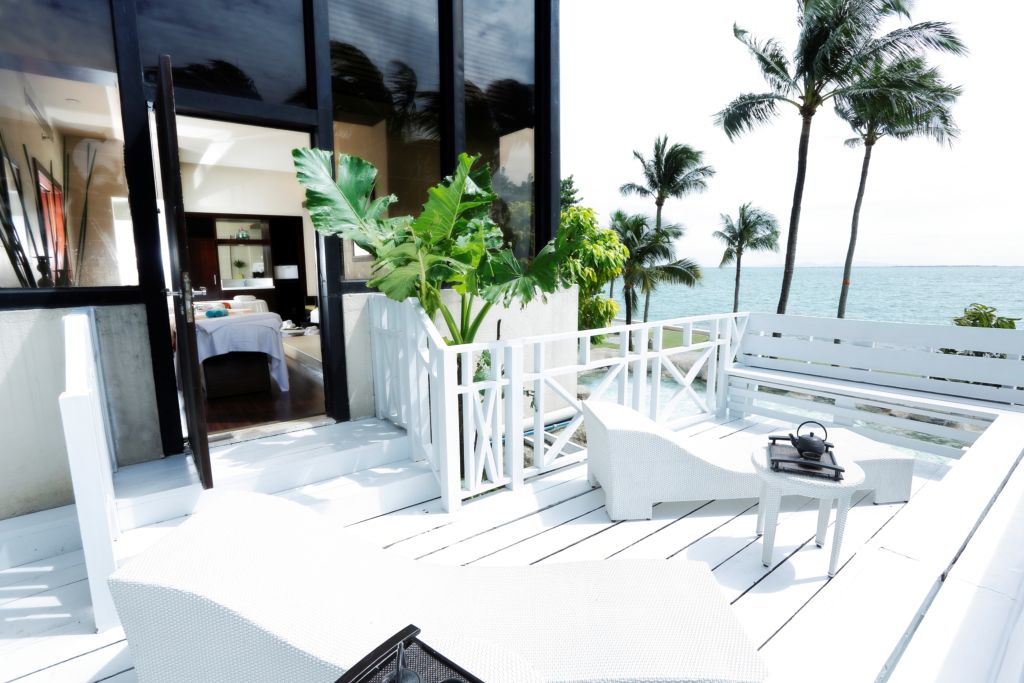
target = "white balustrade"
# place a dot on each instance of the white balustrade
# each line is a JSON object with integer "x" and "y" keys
{"x": 87, "y": 434}
{"x": 489, "y": 414}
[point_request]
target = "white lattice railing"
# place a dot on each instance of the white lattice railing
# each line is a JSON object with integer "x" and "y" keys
{"x": 489, "y": 414}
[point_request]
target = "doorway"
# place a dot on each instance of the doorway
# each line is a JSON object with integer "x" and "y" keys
{"x": 252, "y": 254}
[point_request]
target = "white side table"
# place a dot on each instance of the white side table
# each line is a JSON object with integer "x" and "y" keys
{"x": 774, "y": 485}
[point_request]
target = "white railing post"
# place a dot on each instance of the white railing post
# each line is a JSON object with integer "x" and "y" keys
{"x": 86, "y": 434}
{"x": 714, "y": 337}
{"x": 514, "y": 415}
{"x": 469, "y": 426}
{"x": 447, "y": 437}
{"x": 640, "y": 369}
{"x": 623, "y": 378}
{"x": 658, "y": 346}
{"x": 725, "y": 362}
{"x": 539, "y": 444}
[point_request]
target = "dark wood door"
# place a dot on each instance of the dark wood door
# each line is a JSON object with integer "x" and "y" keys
{"x": 181, "y": 279}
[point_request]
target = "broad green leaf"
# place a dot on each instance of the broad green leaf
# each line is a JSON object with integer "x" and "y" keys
{"x": 344, "y": 207}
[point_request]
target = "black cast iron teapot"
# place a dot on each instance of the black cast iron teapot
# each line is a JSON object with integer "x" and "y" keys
{"x": 810, "y": 445}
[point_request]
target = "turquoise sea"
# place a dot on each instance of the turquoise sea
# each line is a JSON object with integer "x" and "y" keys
{"x": 913, "y": 294}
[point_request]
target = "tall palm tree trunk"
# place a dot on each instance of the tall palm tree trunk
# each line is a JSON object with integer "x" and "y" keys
{"x": 647, "y": 304}
{"x": 611, "y": 288}
{"x": 736, "y": 289}
{"x": 854, "y": 225}
{"x": 629, "y": 303}
{"x": 658, "y": 203}
{"x": 794, "y": 216}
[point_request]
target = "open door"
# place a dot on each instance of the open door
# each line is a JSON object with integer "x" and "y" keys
{"x": 181, "y": 281}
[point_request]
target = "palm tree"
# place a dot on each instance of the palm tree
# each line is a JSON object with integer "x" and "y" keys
{"x": 875, "y": 117}
{"x": 675, "y": 172}
{"x": 651, "y": 260}
{"x": 753, "y": 230}
{"x": 837, "y": 43}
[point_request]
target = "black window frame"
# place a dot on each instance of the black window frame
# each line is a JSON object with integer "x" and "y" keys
{"x": 317, "y": 119}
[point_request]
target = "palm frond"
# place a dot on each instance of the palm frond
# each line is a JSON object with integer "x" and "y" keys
{"x": 632, "y": 188}
{"x": 771, "y": 58}
{"x": 748, "y": 111}
{"x": 911, "y": 40}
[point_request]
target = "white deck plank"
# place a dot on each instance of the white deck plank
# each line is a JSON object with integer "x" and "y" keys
{"x": 502, "y": 510}
{"x": 702, "y": 521}
{"x": 102, "y": 664}
{"x": 63, "y": 644}
{"x": 615, "y": 537}
{"x": 476, "y": 547}
{"x": 403, "y": 524}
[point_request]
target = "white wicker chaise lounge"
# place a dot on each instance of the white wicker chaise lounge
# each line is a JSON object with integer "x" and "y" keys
{"x": 639, "y": 462}
{"x": 255, "y": 588}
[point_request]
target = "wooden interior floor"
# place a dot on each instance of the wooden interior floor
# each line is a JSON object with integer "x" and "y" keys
{"x": 557, "y": 517}
{"x": 305, "y": 398}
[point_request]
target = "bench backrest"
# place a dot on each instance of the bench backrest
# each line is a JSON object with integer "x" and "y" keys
{"x": 898, "y": 355}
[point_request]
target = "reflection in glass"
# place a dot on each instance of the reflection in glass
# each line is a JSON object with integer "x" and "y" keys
{"x": 63, "y": 195}
{"x": 385, "y": 78}
{"x": 499, "y": 62}
{"x": 243, "y": 48}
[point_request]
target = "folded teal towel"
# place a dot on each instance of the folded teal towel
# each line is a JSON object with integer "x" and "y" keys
{"x": 216, "y": 313}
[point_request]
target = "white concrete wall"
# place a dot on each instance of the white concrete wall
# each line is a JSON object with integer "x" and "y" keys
{"x": 558, "y": 314}
{"x": 34, "y": 471}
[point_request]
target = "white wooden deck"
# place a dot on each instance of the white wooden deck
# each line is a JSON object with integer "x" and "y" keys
{"x": 559, "y": 518}
{"x": 44, "y": 610}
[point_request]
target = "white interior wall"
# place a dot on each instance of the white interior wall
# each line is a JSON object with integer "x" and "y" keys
{"x": 229, "y": 189}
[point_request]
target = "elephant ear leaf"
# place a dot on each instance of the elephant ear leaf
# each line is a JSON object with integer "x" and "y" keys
{"x": 449, "y": 202}
{"x": 508, "y": 281}
{"x": 343, "y": 207}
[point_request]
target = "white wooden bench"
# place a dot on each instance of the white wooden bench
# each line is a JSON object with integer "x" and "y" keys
{"x": 889, "y": 381}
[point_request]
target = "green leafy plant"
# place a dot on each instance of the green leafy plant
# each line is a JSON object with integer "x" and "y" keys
{"x": 594, "y": 256}
{"x": 452, "y": 243}
{"x": 980, "y": 315}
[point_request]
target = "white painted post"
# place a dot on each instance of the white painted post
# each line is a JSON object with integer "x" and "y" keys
{"x": 89, "y": 457}
{"x": 447, "y": 438}
{"x": 658, "y": 344}
{"x": 415, "y": 400}
{"x": 640, "y": 368}
{"x": 514, "y": 415}
{"x": 539, "y": 445}
{"x": 469, "y": 425}
{"x": 724, "y": 364}
{"x": 714, "y": 336}
{"x": 623, "y": 378}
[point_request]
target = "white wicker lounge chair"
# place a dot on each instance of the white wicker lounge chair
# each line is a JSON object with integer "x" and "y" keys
{"x": 639, "y": 463}
{"x": 255, "y": 588}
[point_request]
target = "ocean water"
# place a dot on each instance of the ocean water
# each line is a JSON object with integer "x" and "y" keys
{"x": 912, "y": 294}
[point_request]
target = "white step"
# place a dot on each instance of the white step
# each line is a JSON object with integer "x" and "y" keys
{"x": 156, "y": 491}
{"x": 369, "y": 493}
{"x": 38, "y": 535}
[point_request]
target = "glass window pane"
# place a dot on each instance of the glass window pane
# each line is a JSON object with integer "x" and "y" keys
{"x": 64, "y": 218}
{"x": 499, "y": 61}
{"x": 69, "y": 33}
{"x": 385, "y": 78}
{"x": 244, "y": 48}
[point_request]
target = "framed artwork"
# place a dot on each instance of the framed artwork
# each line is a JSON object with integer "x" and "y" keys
{"x": 50, "y": 196}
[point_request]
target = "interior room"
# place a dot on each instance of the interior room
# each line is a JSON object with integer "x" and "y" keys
{"x": 252, "y": 254}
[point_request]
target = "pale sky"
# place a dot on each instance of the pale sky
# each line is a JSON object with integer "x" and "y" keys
{"x": 631, "y": 71}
